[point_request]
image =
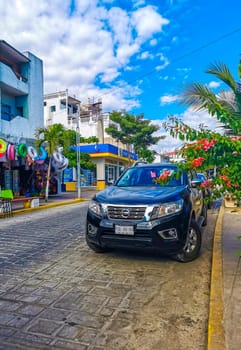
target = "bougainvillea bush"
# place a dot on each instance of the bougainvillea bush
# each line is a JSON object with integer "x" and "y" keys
{"x": 206, "y": 151}
{"x": 203, "y": 149}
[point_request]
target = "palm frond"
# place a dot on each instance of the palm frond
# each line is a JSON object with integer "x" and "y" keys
{"x": 198, "y": 96}
{"x": 227, "y": 100}
{"x": 221, "y": 71}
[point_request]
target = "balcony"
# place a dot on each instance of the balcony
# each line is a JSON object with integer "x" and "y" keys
{"x": 11, "y": 83}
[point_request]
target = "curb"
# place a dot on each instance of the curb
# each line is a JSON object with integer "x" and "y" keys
{"x": 216, "y": 332}
{"x": 46, "y": 206}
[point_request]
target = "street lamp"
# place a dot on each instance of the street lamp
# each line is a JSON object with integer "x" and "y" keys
{"x": 78, "y": 161}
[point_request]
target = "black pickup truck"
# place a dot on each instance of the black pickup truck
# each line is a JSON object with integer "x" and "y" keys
{"x": 141, "y": 211}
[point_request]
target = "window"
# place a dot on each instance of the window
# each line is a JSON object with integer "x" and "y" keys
{"x": 53, "y": 108}
{"x": 62, "y": 104}
{"x": 6, "y": 112}
{"x": 20, "y": 111}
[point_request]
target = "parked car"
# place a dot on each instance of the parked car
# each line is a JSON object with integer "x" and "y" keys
{"x": 139, "y": 162}
{"x": 138, "y": 211}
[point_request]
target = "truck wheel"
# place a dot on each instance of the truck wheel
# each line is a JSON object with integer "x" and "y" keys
{"x": 193, "y": 244}
{"x": 95, "y": 247}
{"x": 205, "y": 214}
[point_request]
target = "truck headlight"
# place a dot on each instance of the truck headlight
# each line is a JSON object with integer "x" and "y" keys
{"x": 95, "y": 207}
{"x": 165, "y": 209}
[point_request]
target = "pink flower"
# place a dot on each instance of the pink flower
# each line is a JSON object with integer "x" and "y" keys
{"x": 207, "y": 144}
{"x": 206, "y": 184}
{"x": 235, "y": 138}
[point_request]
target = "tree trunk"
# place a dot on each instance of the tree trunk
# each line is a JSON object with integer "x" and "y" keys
{"x": 129, "y": 155}
{"x": 48, "y": 178}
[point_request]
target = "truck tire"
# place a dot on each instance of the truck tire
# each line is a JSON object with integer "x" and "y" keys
{"x": 192, "y": 247}
{"x": 205, "y": 214}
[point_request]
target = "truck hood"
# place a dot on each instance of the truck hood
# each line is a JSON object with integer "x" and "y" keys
{"x": 140, "y": 195}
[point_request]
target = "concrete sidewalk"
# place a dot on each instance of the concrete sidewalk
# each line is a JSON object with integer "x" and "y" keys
{"x": 57, "y": 200}
{"x": 232, "y": 278}
{"x": 224, "y": 328}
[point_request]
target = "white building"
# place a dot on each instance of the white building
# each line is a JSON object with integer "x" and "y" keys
{"x": 109, "y": 155}
{"x": 60, "y": 108}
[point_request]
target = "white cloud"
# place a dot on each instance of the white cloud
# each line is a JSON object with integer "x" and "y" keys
{"x": 84, "y": 47}
{"x": 163, "y": 59}
{"x": 148, "y": 22}
{"x": 144, "y": 55}
{"x": 138, "y": 3}
{"x": 184, "y": 70}
{"x": 214, "y": 84}
{"x": 194, "y": 119}
{"x": 120, "y": 26}
{"x": 153, "y": 42}
{"x": 189, "y": 117}
{"x": 167, "y": 99}
{"x": 175, "y": 39}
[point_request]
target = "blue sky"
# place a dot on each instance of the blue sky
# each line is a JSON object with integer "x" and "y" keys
{"x": 136, "y": 55}
{"x": 199, "y": 33}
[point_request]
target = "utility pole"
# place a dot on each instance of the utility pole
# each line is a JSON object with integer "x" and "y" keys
{"x": 78, "y": 155}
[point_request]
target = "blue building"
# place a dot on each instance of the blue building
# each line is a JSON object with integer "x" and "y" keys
{"x": 21, "y": 101}
{"x": 21, "y": 93}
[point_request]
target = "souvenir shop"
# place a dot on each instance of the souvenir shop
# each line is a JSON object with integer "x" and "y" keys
{"x": 23, "y": 169}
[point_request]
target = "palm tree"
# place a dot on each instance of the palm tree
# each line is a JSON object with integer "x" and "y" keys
{"x": 226, "y": 105}
{"x": 53, "y": 136}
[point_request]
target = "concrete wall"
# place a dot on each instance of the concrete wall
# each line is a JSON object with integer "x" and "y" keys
{"x": 35, "y": 97}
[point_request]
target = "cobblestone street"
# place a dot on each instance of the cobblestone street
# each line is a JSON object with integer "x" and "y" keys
{"x": 57, "y": 294}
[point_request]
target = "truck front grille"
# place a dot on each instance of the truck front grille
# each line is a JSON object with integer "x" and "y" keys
{"x": 126, "y": 213}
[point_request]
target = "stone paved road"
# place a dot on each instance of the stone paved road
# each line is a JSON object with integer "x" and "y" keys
{"x": 57, "y": 294}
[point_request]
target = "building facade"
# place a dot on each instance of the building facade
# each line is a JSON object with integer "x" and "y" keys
{"x": 21, "y": 93}
{"x": 109, "y": 155}
{"x": 61, "y": 108}
{"x": 21, "y": 113}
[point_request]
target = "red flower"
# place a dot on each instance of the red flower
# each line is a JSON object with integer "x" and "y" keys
{"x": 196, "y": 163}
{"x": 164, "y": 176}
{"x": 226, "y": 180}
{"x": 224, "y": 177}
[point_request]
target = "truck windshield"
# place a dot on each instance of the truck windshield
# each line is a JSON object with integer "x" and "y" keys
{"x": 150, "y": 176}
